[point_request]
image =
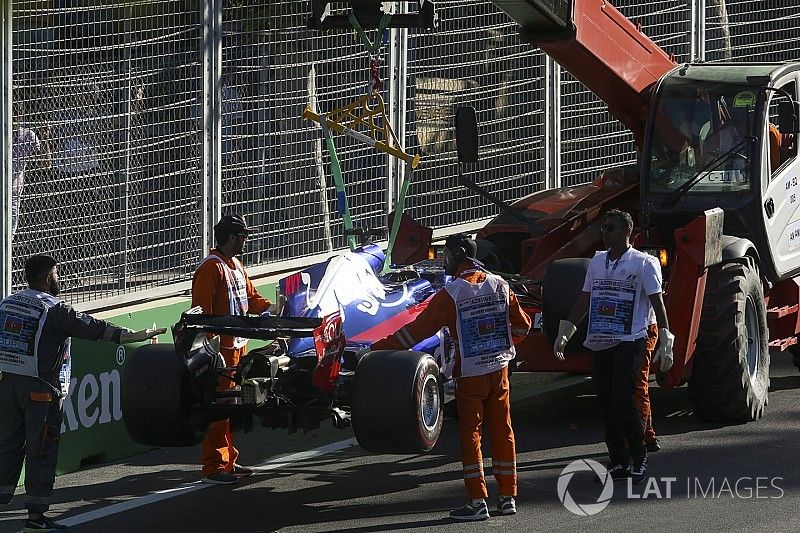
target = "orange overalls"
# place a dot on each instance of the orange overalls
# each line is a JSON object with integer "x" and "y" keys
{"x": 479, "y": 398}
{"x": 642, "y": 391}
{"x": 212, "y": 283}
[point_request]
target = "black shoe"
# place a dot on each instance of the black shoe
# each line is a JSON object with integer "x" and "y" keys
{"x": 652, "y": 446}
{"x": 639, "y": 470}
{"x": 506, "y": 505}
{"x": 42, "y": 524}
{"x": 616, "y": 471}
{"x": 471, "y": 511}
{"x": 242, "y": 471}
{"x": 220, "y": 478}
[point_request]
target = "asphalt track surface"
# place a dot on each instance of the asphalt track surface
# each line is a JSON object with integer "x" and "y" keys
{"x": 726, "y": 477}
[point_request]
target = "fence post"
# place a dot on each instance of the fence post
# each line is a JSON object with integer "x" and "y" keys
{"x": 552, "y": 124}
{"x": 398, "y": 84}
{"x": 211, "y": 201}
{"x": 697, "y": 37}
{"x": 6, "y": 58}
{"x": 124, "y": 174}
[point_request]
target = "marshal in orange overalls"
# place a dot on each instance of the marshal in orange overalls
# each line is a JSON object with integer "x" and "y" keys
{"x": 222, "y": 287}
{"x": 482, "y": 395}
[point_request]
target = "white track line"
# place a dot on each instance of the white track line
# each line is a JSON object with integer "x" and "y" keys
{"x": 270, "y": 464}
{"x": 188, "y": 488}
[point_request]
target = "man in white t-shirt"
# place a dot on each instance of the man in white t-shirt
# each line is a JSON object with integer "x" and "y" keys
{"x": 622, "y": 294}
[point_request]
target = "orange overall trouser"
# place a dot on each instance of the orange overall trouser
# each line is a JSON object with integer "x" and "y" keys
{"x": 217, "y": 445}
{"x": 642, "y": 391}
{"x": 480, "y": 398}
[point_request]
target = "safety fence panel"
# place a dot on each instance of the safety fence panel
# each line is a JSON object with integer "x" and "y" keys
{"x": 474, "y": 58}
{"x": 743, "y": 30}
{"x": 591, "y": 139}
{"x": 109, "y": 99}
{"x": 111, "y": 169}
{"x": 275, "y": 168}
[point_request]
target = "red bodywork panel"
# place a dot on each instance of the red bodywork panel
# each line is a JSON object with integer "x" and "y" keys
{"x": 686, "y": 287}
{"x": 783, "y": 315}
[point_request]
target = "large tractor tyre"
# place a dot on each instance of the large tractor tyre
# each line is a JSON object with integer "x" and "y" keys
{"x": 730, "y": 371}
{"x": 561, "y": 287}
{"x": 156, "y": 398}
{"x": 397, "y": 402}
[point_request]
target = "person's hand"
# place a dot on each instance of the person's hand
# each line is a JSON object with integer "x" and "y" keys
{"x": 664, "y": 351}
{"x": 127, "y": 335}
{"x": 566, "y": 330}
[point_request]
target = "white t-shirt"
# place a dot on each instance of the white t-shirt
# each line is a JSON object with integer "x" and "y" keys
{"x": 619, "y": 308}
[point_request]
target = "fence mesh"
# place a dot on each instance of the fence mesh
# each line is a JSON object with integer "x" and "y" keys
{"x": 591, "y": 139}
{"x": 752, "y": 31}
{"x": 276, "y": 169}
{"x": 108, "y": 140}
{"x": 474, "y": 59}
{"x": 108, "y": 90}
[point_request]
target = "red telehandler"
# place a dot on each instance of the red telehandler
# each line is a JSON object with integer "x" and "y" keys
{"x": 715, "y": 192}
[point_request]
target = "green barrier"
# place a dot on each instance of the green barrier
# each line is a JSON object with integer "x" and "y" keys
{"x": 92, "y": 430}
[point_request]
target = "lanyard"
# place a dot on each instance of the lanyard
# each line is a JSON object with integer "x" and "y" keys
{"x": 616, "y": 263}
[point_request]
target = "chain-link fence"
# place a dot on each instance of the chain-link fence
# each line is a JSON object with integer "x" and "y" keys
{"x": 111, "y": 124}
{"x": 474, "y": 59}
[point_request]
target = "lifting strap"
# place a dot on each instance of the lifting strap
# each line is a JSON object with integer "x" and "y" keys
{"x": 368, "y": 112}
{"x": 341, "y": 196}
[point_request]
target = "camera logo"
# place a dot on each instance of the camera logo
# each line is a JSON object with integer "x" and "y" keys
{"x": 586, "y": 509}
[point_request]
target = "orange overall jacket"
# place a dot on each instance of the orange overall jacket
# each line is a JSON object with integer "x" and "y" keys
{"x": 441, "y": 312}
{"x": 210, "y": 291}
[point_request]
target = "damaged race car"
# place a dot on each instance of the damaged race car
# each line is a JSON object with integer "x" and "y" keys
{"x": 305, "y": 374}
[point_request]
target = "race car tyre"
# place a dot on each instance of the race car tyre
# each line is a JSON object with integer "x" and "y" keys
{"x": 730, "y": 370}
{"x": 156, "y": 398}
{"x": 397, "y": 402}
{"x": 561, "y": 287}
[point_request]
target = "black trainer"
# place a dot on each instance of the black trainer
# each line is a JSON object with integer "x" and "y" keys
{"x": 42, "y": 524}
{"x": 652, "y": 446}
{"x": 639, "y": 469}
{"x": 471, "y": 511}
{"x": 616, "y": 471}
{"x": 506, "y": 505}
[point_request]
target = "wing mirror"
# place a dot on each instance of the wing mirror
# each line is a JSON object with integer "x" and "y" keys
{"x": 466, "y": 135}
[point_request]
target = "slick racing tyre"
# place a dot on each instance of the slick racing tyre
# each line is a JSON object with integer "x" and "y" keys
{"x": 397, "y": 402}
{"x": 156, "y": 398}
{"x": 561, "y": 287}
{"x": 730, "y": 371}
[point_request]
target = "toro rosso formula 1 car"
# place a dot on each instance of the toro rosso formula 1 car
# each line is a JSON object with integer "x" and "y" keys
{"x": 313, "y": 366}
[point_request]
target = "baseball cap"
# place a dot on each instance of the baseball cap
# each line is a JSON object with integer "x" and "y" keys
{"x": 235, "y": 223}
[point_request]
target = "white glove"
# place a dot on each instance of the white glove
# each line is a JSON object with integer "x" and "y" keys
{"x": 126, "y": 335}
{"x": 566, "y": 330}
{"x": 664, "y": 351}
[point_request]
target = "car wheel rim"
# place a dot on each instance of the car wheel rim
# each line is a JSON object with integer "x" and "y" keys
{"x": 430, "y": 405}
{"x": 753, "y": 334}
